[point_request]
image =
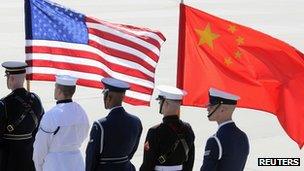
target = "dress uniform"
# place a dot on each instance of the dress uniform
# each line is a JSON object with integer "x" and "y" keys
{"x": 20, "y": 113}
{"x": 115, "y": 138}
{"x": 228, "y": 148}
{"x": 169, "y": 146}
{"x": 62, "y": 131}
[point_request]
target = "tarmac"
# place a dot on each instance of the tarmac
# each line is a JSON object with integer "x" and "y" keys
{"x": 282, "y": 19}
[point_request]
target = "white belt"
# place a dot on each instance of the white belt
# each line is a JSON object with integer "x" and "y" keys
{"x": 168, "y": 168}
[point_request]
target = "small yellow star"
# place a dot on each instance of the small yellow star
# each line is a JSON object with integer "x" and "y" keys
{"x": 240, "y": 40}
{"x": 238, "y": 54}
{"x": 228, "y": 61}
{"x": 232, "y": 28}
{"x": 206, "y": 36}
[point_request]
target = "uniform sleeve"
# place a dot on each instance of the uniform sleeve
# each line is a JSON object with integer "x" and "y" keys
{"x": 211, "y": 156}
{"x": 93, "y": 148}
{"x": 188, "y": 165}
{"x": 2, "y": 111}
{"x": 43, "y": 140}
{"x": 150, "y": 155}
{"x": 137, "y": 141}
{"x": 40, "y": 111}
{"x": 39, "y": 106}
{"x": 2, "y": 119}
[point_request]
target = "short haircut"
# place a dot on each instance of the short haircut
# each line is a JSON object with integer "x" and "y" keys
{"x": 68, "y": 91}
{"x": 118, "y": 96}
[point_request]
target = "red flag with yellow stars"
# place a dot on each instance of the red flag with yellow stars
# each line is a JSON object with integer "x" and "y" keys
{"x": 266, "y": 73}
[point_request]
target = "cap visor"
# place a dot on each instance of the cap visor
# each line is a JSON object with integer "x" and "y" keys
{"x": 157, "y": 98}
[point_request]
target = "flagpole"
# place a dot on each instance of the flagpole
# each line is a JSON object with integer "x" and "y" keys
{"x": 28, "y": 85}
{"x": 181, "y": 39}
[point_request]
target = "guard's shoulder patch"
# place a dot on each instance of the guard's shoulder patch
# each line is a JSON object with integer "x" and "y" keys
{"x": 207, "y": 152}
{"x": 91, "y": 140}
{"x": 147, "y": 146}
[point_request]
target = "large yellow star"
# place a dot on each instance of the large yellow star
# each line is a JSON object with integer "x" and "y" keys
{"x": 232, "y": 28}
{"x": 228, "y": 61}
{"x": 206, "y": 36}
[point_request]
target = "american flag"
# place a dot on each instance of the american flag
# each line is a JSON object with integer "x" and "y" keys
{"x": 62, "y": 41}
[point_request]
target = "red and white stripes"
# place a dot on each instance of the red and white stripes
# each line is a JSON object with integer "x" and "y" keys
{"x": 120, "y": 51}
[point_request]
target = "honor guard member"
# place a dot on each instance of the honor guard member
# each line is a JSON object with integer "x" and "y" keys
{"x": 20, "y": 113}
{"x": 62, "y": 131}
{"x": 169, "y": 146}
{"x": 113, "y": 139}
{"x": 228, "y": 148}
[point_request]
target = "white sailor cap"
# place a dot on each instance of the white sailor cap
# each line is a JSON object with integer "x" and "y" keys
{"x": 66, "y": 80}
{"x": 169, "y": 92}
{"x": 112, "y": 84}
{"x": 217, "y": 96}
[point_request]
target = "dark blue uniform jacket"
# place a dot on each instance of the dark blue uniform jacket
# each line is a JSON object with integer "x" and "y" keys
{"x": 113, "y": 142}
{"x": 227, "y": 150}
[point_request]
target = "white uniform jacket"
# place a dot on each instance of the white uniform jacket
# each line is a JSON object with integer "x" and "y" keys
{"x": 62, "y": 131}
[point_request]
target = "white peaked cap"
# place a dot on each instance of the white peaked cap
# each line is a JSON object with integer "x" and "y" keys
{"x": 66, "y": 80}
{"x": 222, "y": 94}
{"x": 171, "y": 93}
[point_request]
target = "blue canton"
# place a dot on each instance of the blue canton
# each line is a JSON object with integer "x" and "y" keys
{"x": 49, "y": 21}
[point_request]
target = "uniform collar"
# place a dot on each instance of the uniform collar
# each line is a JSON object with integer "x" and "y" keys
{"x": 116, "y": 107}
{"x": 64, "y": 101}
{"x": 19, "y": 90}
{"x": 225, "y": 123}
{"x": 172, "y": 118}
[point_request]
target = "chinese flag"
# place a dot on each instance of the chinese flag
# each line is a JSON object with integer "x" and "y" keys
{"x": 265, "y": 72}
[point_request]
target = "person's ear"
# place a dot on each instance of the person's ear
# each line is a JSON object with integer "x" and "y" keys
{"x": 12, "y": 79}
{"x": 110, "y": 96}
{"x": 167, "y": 102}
{"x": 59, "y": 91}
{"x": 223, "y": 108}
